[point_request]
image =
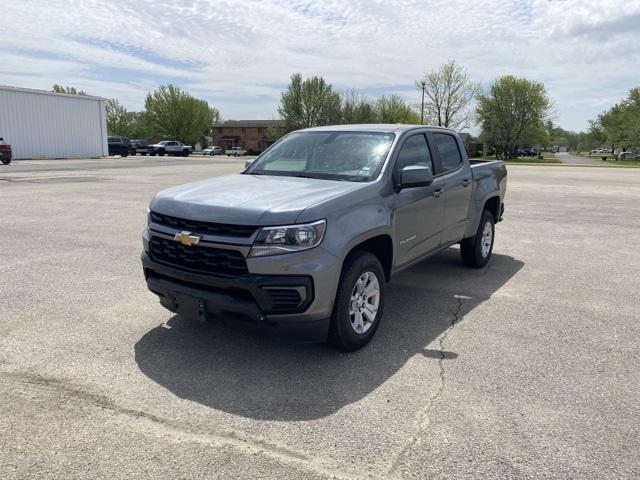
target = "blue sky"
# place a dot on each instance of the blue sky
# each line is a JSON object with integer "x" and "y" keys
{"x": 239, "y": 54}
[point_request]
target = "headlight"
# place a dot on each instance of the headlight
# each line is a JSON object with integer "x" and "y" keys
{"x": 291, "y": 238}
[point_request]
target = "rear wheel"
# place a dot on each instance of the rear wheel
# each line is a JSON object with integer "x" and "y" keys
{"x": 359, "y": 302}
{"x": 476, "y": 251}
{"x": 6, "y": 161}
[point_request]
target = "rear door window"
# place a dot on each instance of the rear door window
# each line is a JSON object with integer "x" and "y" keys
{"x": 448, "y": 150}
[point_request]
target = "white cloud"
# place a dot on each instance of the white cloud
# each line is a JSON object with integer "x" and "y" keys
{"x": 238, "y": 53}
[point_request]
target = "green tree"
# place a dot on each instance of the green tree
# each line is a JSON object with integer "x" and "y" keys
{"x": 139, "y": 126}
{"x": 175, "y": 114}
{"x": 356, "y": 108}
{"x": 309, "y": 103}
{"x": 596, "y": 133}
{"x": 513, "y": 113}
{"x": 394, "y": 109}
{"x": 620, "y": 125}
{"x": 127, "y": 124}
{"x": 119, "y": 120}
{"x": 449, "y": 94}
{"x": 70, "y": 90}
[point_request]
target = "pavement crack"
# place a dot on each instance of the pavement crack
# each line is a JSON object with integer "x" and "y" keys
{"x": 242, "y": 442}
{"x": 424, "y": 415}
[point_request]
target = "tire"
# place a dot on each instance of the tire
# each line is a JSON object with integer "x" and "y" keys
{"x": 185, "y": 154}
{"x": 143, "y": 153}
{"x": 476, "y": 251}
{"x": 161, "y": 153}
{"x": 349, "y": 331}
{"x": 6, "y": 161}
{"x": 152, "y": 154}
{"x": 125, "y": 155}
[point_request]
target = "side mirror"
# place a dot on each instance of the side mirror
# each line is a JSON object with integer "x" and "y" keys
{"x": 415, "y": 176}
{"x": 248, "y": 162}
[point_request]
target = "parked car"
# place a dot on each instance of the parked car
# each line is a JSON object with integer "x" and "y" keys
{"x": 139, "y": 146}
{"x": 119, "y": 146}
{"x": 626, "y": 156}
{"x": 5, "y": 152}
{"x": 212, "y": 151}
{"x": 169, "y": 147}
{"x": 304, "y": 240}
{"x": 236, "y": 152}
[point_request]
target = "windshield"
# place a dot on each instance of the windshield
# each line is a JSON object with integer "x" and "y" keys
{"x": 352, "y": 156}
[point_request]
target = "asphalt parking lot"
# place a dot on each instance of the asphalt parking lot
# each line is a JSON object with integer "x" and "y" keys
{"x": 528, "y": 368}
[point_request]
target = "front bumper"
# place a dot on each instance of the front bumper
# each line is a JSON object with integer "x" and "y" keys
{"x": 249, "y": 300}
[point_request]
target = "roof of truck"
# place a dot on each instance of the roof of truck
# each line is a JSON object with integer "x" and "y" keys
{"x": 373, "y": 127}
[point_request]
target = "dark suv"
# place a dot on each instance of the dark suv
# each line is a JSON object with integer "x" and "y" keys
{"x": 119, "y": 146}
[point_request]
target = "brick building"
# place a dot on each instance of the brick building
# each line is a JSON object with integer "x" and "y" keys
{"x": 252, "y": 135}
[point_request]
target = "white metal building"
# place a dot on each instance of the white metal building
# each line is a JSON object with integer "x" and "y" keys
{"x": 41, "y": 124}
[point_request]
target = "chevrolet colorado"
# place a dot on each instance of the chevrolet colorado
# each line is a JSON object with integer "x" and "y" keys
{"x": 304, "y": 240}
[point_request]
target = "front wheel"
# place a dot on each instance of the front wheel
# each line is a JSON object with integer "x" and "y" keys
{"x": 476, "y": 250}
{"x": 6, "y": 161}
{"x": 359, "y": 302}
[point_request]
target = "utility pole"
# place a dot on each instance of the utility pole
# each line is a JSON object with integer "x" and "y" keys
{"x": 424, "y": 84}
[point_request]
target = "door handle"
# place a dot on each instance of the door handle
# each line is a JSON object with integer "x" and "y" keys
{"x": 466, "y": 182}
{"x": 438, "y": 192}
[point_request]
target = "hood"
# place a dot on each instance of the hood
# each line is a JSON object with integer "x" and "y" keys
{"x": 248, "y": 199}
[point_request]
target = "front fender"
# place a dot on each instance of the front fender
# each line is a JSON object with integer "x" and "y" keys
{"x": 353, "y": 225}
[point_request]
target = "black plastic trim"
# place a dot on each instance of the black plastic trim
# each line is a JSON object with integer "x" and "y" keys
{"x": 232, "y": 287}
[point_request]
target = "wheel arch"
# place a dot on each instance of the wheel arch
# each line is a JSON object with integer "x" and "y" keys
{"x": 493, "y": 204}
{"x": 381, "y": 246}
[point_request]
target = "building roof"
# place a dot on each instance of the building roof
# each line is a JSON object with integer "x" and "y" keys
{"x": 249, "y": 124}
{"x": 47, "y": 92}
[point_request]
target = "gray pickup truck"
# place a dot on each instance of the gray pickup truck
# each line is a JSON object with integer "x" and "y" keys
{"x": 303, "y": 241}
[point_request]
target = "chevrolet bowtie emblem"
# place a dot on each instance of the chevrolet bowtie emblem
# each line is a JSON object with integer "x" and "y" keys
{"x": 185, "y": 238}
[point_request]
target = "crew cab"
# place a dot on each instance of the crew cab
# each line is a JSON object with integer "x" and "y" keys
{"x": 236, "y": 152}
{"x": 169, "y": 147}
{"x": 304, "y": 240}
